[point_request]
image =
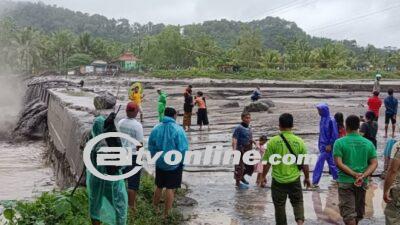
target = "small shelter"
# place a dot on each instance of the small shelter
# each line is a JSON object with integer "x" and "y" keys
{"x": 128, "y": 62}
{"x": 99, "y": 66}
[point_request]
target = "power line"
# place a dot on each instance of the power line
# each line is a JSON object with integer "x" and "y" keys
{"x": 365, "y": 34}
{"x": 296, "y": 7}
{"x": 355, "y": 18}
{"x": 282, "y": 7}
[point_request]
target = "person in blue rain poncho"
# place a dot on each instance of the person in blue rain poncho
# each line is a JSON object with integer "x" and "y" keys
{"x": 165, "y": 137}
{"x": 108, "y": 200}
{"x": 328, "y": 133}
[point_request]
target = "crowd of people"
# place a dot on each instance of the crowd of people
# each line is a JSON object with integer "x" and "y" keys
{"x": 349, "y": 146}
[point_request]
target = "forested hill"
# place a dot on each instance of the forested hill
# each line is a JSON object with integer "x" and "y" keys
{"x": 43, "y": 37}
{"x": 274, "y": 31}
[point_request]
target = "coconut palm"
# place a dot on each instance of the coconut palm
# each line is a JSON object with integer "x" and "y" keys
{"x": 26, "y": 43}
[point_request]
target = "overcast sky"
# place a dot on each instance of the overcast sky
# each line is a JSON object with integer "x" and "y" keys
{"x": 367, "y": 21}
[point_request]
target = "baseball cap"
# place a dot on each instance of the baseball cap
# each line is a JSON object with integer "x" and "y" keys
{"x": 132, "y": 107}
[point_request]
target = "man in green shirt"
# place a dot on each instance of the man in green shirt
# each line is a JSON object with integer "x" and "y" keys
{"x": 355, "y": 156}
{"x": 286, "y": 178}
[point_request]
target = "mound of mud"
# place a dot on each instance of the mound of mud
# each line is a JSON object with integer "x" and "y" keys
{"x": 231, "y": 105}
{"x": 269, "y": 102}
{"x": 256, "y": 107}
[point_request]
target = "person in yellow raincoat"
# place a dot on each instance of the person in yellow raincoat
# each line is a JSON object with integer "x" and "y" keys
{"x": 136, "y": 95}
{"x": 108, "y": 200}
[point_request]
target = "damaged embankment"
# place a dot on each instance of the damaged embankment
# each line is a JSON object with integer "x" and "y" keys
{"x": 37, "y": 120}
{"x": 64, "y": 127}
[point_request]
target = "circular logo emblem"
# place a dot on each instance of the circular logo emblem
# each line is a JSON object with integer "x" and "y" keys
{"x": 127, "y": 152}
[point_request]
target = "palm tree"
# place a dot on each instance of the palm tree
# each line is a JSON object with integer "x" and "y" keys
{"x": 62, "y": 42}
{"x": 271, "y": 59}
{"x": 85, "y": 43}
{"x": 27, "y": 43}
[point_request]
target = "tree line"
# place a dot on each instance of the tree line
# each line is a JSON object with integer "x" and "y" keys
{"x": 65, "y": 39}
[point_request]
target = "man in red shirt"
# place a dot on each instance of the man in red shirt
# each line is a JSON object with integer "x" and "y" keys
{"x": 374, "y": 104}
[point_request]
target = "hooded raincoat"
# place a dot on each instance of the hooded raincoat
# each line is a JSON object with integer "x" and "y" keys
{"x": 162, "y": 103}
{"x": 167, "y": 136}
{"x": 328, "y": 133}
{"x": 108, "y": 200}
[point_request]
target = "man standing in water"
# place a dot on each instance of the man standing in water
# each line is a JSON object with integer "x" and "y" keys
{"x": 328, "y": 133}
{"x": 242, "y": 140}
{"x": 286, "y": 178}
{"x": 355, "y": 156}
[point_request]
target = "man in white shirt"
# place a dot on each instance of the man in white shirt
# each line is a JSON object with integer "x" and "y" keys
{"x": 133, "y": 128}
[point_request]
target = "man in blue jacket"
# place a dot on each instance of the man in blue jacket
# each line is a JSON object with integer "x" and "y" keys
{"x": 165, "y": 137}
{"x": 328, "y": 133}
{"x": 391, "y": 104}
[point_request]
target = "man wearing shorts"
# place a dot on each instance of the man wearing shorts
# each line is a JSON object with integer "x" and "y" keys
{"x": 133, "y": 128}
{"x": 391, "y": 104}
{"x": 165, "y": 137}
{"x": 355, "y": 156}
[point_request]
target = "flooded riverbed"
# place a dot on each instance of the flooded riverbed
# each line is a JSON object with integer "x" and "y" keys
{"x": 23, "y": 174}
{"x": 213, "y": 186}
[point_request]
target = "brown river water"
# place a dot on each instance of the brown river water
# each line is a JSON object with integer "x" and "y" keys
{"x": 23, "y": 173}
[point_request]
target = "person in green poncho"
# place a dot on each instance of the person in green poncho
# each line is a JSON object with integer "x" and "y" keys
{"x": 108, "y": 200}
{"x": 162, "y": 103}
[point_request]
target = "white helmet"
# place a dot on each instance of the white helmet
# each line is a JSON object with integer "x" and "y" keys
{"x": 378, "y": 75}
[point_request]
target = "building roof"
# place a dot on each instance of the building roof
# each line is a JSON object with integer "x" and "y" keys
{"x": 128, "y": 56}
{"x": 99, "y": 62}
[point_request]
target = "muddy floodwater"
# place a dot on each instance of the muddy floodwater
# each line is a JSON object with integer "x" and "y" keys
{"x": 23, "y": 173}
{"x": 218, "y": 201}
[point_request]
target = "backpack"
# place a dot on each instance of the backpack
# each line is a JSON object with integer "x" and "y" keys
{"x": 109, "y": 126}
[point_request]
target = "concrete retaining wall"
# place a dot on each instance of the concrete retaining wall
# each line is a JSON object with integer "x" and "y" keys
{"x": 66, "y": 138}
